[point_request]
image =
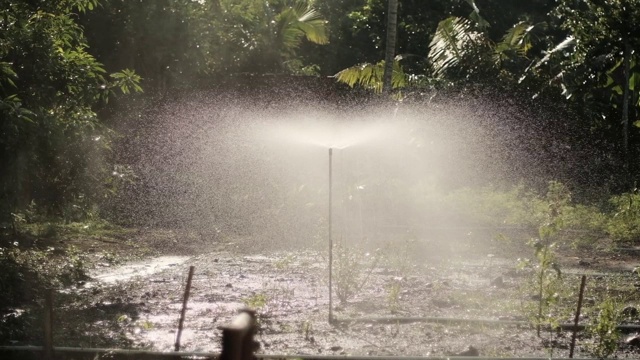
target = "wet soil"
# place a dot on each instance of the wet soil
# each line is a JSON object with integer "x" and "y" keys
{"x": 137, "y": 303}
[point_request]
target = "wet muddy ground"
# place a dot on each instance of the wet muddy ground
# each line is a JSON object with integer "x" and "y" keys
{"x": 137, "y": 304}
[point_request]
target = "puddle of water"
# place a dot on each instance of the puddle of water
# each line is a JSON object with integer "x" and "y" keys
{"x": 142, "y": 268}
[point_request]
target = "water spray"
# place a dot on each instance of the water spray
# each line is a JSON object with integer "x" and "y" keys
{"x": 330, "y": 239}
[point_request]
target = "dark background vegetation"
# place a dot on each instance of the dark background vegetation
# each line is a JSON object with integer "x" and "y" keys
{"x": 61, "y": 61}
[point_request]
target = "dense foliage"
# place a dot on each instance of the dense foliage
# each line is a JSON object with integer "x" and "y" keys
{"x": 50, "y": 85}
{"x": 578, "y": 60}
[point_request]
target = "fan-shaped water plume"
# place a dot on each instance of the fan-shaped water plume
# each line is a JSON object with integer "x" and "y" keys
{"x": 214, "y": 164}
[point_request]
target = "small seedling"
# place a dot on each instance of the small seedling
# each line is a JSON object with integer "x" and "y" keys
{"x": 548, "y": 276}
{"x": 393, "y": 296}
{"x": 285, "y": 262}
{"x": 146, "y": 325}
{"x": 307, "y": 329}
{"x": 256, "y": 301}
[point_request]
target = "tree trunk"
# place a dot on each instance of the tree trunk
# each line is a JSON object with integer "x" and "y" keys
{"x": 625, "y": 104}
{"x": 390, "y": 47}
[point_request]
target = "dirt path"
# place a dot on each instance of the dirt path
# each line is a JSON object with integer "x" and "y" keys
{"x": 138, "y": 304}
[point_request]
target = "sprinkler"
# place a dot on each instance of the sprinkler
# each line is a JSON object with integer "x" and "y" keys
{"x": 330, "y": 240}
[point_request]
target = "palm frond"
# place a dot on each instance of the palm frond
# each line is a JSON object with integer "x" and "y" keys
{"x": 450, "y": 42}
{"x": 516, "y": 41}
{"x": 516, "y": 36}
{"x": 311, "y": 22}
{"x": 315, "y": 31}
{"x": 565, "y": 44}
{"x": 300, "y": 20}
{"x": 369, "y": 76}
{"x": 481, "y": 22}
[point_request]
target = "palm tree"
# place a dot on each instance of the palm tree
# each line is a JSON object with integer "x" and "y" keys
{"x": 295, "y": 21}
{"x": 385, "y": 75}
{"x": 263, "y": 36}
{"x": 390, "y": 47}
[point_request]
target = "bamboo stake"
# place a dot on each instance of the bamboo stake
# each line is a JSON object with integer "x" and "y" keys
{"x": 577, "y": 318}
{"x": 330, "y": 238}
{"x": 184, "y": 307}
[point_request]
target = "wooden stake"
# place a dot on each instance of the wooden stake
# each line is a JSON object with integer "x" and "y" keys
{"x": 577, "y": 318}
{"x": 184, "y": 307}
{"x": 47, "y": 353}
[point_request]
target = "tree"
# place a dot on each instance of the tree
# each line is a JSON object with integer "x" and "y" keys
{"x": 605, "y": 33}
{"x": 459, "y": 44}
{"x": 50, "y": 86}
{"x": 272, "y": 32}
{"x": 173, "y": 42}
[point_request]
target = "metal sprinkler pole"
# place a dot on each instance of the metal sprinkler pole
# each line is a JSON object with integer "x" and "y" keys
{"x": 330, "y": 239}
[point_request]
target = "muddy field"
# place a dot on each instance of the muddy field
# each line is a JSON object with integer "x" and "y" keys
{"x": 465, "y": 296}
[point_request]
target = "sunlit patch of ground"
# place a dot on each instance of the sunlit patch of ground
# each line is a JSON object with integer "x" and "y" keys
{"x": 138, "y": 305}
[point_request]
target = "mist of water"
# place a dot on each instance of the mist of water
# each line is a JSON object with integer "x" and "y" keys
{"x": 218, "y": 166}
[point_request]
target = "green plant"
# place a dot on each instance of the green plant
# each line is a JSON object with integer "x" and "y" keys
{"x": 285, "y": 262}
{"x": 256, "y": 301}
{"x": 17, "y": 221}
{"x": 352, "y": 269}
{"x": 111, "y": 258}
{"x": 307, "y": 329}
{"x": 398, "y": 255}
{"x": 74, "y": 269}
{"x": 393, "y": 296}
{"x": 146, "y": 325}
{"x": 24, "y": 274}
{"x": 493, "y": 207}
{"x": 624, "y": 225}
{"x": 547, "y": 279}
{"x": 603, "y": 329}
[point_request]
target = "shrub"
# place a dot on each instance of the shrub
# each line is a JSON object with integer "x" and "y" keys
{"x": 24, "y": 274}
{"x": 624, "y": 224}
{"x": 352, "y": 268}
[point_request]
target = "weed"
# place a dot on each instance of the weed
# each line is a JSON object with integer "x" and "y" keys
{"x": 624, "y": 225}
{"x": 398, "y": 255}
{"x": 307, "y": 330}
{"x": 604, "y": 330}
{"x": 111, "y": 258}
{"x": 17, "y": 222}
{"x": 146, "y": 325}
{"x": 74, "y": 269}
{"x": 352, "y": 269}
{"x": 393, "y": 296}
{"x": 123, "y": 319}
{"x": 24, "y": 274}
{"x": 285, "y": 262}
{"x": 256, "y": 301}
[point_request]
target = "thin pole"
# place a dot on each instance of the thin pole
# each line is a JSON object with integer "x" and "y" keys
{"x": 184, "y": 307}
{"x": 575, "y": 322}
{"x": 330, "y": 239}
